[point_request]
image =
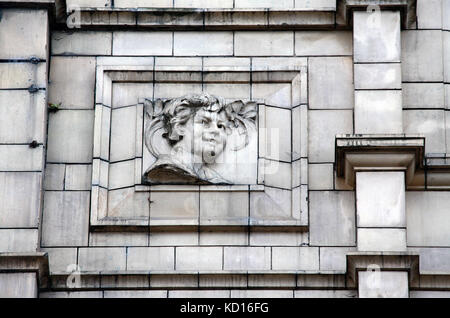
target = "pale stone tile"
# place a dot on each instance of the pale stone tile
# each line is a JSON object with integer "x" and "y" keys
{"x": 180, "y": 280}
{"x": 376, "y": 36}
{"x": 285, "y": 4}
{"x": 126, "y": 94}
{"x": 273, "y": 94}
{"x": 268, "y": 280}
{"x": 150, "y": 258}
{"x": 173, "y": 238}
{"x": 331, "y": 83}
{"x": 377, "y": 284}
{"x": 316, "y": 4}
{"x": 72, "y": 82}
{"x": 433, "y": 260}
{"x": 378, "y": 76}
{"x": 118, "y": 239}
{"x": 428, "y": 294}
{"x": 422, "y": 59}
{"x": 102, "y": 259}
{"x": 18, "y": 240}
{"x": 190, "y": 64}
{"x": 65, "y": 218}
{"x": 334, "y": 258}
{"x": 204, "y": 43}
{"x": 142, "y": 43}
{"x": 447, "y": 127}
{"x": 126, "y": 203}
{"x": 18, "y": 285}
{"x": 203, "y": 4}
{"x": 446, "y": 52}
{"x": 281, "y": 178}
{"x": 135, "y": 294}
{"x": 174, "y": 90}
{"x": 198, "y": 258}
{"x": 81, "y": 43}
{"x": 20, "y": 197}
{"x": 295, "y": 258}
{"x": 64, "y": 294}
{"x": 27, "y": 29}
{"x": 224, "y": 208}
{"x": 23, "y": 75}
{"x": 277, "y": 127}
{"x": 22, "y": 116}
{"x": 78, "y": 177}
{"x": 247, "y": 258}
{"x": 254, "y": 43}
{"x": 320, "y": 176}
{"x": 121, "y": 174}
{"x": 427, "y": 218}
{"x": 309, "y": 43}
{"x": 380, "y": 199}
{"x": 278, "y": 238}
{"x": 214, "y": 237}
{"x": 429, "y": 14}
{"x": 54, "y": 176}
{"x": 211, "y": 64}
{"x": 423, "y": 95}
{"x": 70, "y": 136}
{"x": 378, "y": 112}
{"x": 324, "y": 125}
{"x": 332, "y": 218}
{"x": 325, "y": 294}
{"x": 230, "y": 91}
{"x": 143, "y": 3}
{"x": 199, "y": 294}
{"x": 430, "y": 123}
{"x": 123, "y": 133}
{"x": 89, "y": 3}
{"x": 273, "y": 204}
{"x": 61, "y": 259}
{"x": 263, "y": 293}
{"x": 21, "y": 158}
{"x": 175, "y": 206}
{"x": 381, "y": 239}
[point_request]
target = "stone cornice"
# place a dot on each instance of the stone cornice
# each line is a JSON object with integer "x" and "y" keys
{"x": 26, "y": 262}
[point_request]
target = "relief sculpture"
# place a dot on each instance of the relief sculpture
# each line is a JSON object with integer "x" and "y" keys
{"x": 189, "y": 136}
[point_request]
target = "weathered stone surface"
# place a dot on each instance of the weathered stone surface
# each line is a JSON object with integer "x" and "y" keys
{"x": 422, "y": 59}
{"x": 224, "y": 207}
{"x": 381, "y": 239}
{"x": 324, "y": 125}
{"x": 18, "y": 285}
{"x": 70, "y": 136}
{"x": 78, "y": 177}
{"x": 310, "y": 43}
{"x": 175, "y": 206}
{"x": 19, "y": 240}
{"x": 277, "y": 127}
{"x": 72, "y": 82}
{"x": 380, "y": 199}
{"x": 262, "y": 4}
{"x": 263, "y": 293}
{"x": 429, "y": 14}
{"x": 23, "y": 116}
{"x": 446, "y": 47}
{"x": 334, "y": 258}
{"x": 325, "y": 294}
{"x": 126, "y": 203}
{"x": 65, "y": 218}
{"x": 143, "y": 3}
{"x": 214, "y": 237}
{"x": 135, "y": 294}
{"x": 21, "y": 158}
{"x": 142, "y": 43}
{"x": 378, "y": 76}
{"x": 320, "y": 176}
{"x": 332, "y": 218}
{"x": 258, "y": 238}
{"x": 171, "y": 238}
{"x": 428, "y": 294}
{"x": 54, "y": 176}
{"x": 263, "y": 43}
{"x": 423, "y": 95}
{"x": 199, "y": 258}
{"x": 126, "y": 94}
{"x": 427, "y": 218}
{"x": 205, "y": 43}
{"x": 102, "y": 259}
{"x": 430, "y": 123}
{"x": 150, "y": 258}
{"x": 203, "y": 4}
{"x": 331, "y": 82}
{"x": 22, "y": 75}
{"x": 118, "y": 239}
{"x": 295, "y": 258}
{"x": 198, "y": 294}
{"x": 64, "y": 294}
{"x": 20, "y": 197}
{"x": 61, "y": 259}
{"x": 30, "y": 39}
{"x": 385, "y": 284}
{"x": 81, "y": 43}
{"x": 433, "y": 260}
{"x": 376, "y": 36}
{"x": 247, "y": 258}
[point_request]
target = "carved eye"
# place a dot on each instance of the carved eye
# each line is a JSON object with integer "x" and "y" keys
{"x": 205, "y": 123}
{"x": 221, "y": 126}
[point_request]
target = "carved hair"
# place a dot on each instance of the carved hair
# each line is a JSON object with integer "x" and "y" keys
{"x": 169, "y": 114}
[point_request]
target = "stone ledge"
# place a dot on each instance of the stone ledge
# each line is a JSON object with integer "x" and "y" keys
{"x": 26, "y": 262}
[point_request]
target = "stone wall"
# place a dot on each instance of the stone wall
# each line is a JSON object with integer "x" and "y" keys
{"x": 298, "y": 241}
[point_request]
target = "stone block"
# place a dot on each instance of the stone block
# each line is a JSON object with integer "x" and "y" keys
{"x": 324, "y": 125}
{"x": 23, "y": 75}
{"x": 20, "y": 194}
{"x": 433, "y": 260}
{"x": 378, "y": 76}
{"x": 215, "y": 237}
{"x": 285, "y": 4}
{"x": 325, "y": 294}
{"x": 171, "y": 238}
{"x": 22, "y": 116}
{"x": 54, "y": 176}
{"x": 277, "y": 128}
{"x": 281, "y": 178}
{"x": 198, "y": 294}
{"x": 19, "y": 240}
{"x": 446, "y": 47}
{"x": 317, "y": 4}
{"x": 123, "y": 133}
{"x": 78, "y": 177}
{"x": 332, "y": 218}
{"x": 150, "y": 258}
{"x": 429, "y": 294}
{"x": 273, "y": 94}
{"x": 224, "y": 207}
{"x": 204, "y": 43}
{"x": 422, "y": 59}
{"x": 247, "y": 258}
{"x": 75, "y": 294}
{"x": 61, "y": 259}
{"x": 267, "y": 43}
{"x": 376, "y": 36}
{"x": 102, "y": 259}
{"x": 65, "y": 218}
{"x": 377, "y": 284}
{"x": 445, "y": 15}
{"x": 203, "y": 4}
{"x": 334, "y": 258}
{"x": 230, "y": 91}
{"x": 118, "y": 239}
{"x": 430, "y": 123}
{"x": 261, "y": 293}
{"x": 320, "y": 176}
{"x": 331, "y": 83}
{"x": 89, "y": 3}
{"x": 121, "y": 174}
{"x": 218, "y": 64}
{"x": 143, "y": 3}
{"x": 174, "y": 90}
{"x": 126, "y": 94}
{"x": 423, "y": 95}
{"x": 427, "y": 218}
{"x": 272, "y": 204}
{"x": 142, "y": 43}
{"x": 262, "y": 238}
{"x": 199, "y": 258}
{"x": 72, "y": 82}
{"x": 126, "y": 203}
{"x": 173, "y": 281}
{"x": 447, "y": 127}
{"x": 70, "y": 136}
{"x": 23, "y": 34}
{"x": 381, "y": 240}
{"x": 21, "y": 158}
{"x": 322, "y": 43}
{"x": 380, "y": 199}
{"x": 18, "y": 285}
{"x": 135, "y": 294}
{"x": 429, "y": 14}
{"x": 174, "y": 207}
{"x": 378, "y": 112}
{"x": 295, "y": 258}
{"x": 81, "y": 43}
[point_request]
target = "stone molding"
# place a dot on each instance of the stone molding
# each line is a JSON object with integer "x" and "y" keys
{"x": 26, "y": 263}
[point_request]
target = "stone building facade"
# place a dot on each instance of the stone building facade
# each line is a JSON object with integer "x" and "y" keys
{"x": 332, "y": 177}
